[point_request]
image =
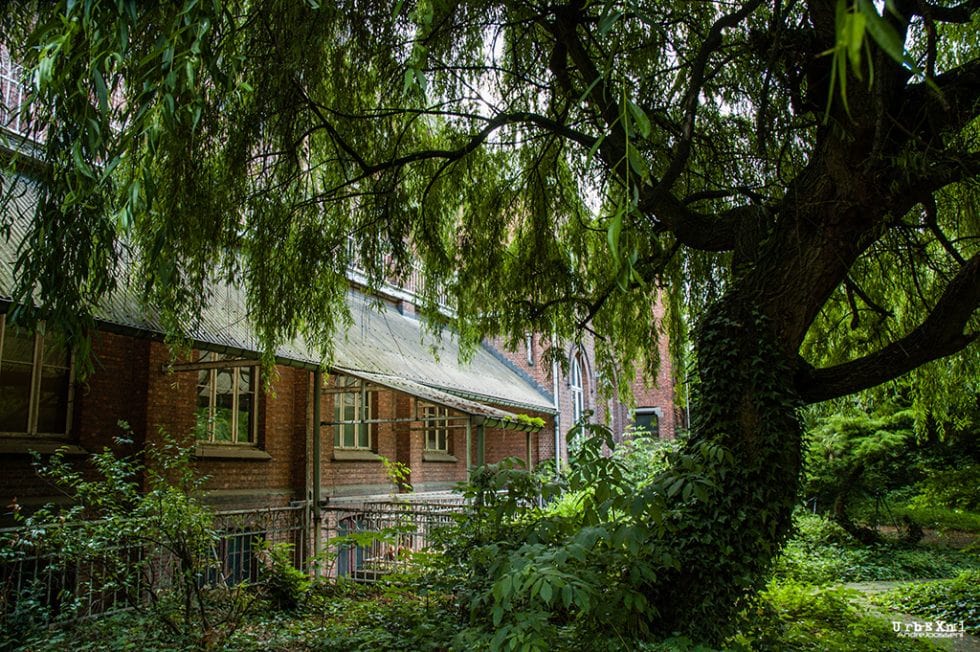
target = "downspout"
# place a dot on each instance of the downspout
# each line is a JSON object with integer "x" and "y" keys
{"x": 554, "y": 377}
{"x": 317, "y": 385}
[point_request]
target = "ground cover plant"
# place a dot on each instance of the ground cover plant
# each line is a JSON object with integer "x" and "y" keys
{"x": 955, "y": 600}
{"x": 822, "y": 552}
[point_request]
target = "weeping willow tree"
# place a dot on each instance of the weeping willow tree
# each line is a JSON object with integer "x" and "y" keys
{"x": 798, "y": 177}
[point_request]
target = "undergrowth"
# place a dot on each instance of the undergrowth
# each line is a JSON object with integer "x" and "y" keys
{"x": 954, "y": 600}
{"x": 822, "y": 552}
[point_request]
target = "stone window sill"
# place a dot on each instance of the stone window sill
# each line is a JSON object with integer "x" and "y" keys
{"x": 354, "y": 455}
{"x": 230, "y": 452}
{"x": 438, "y": 456}
{"x": 25, "y": 445}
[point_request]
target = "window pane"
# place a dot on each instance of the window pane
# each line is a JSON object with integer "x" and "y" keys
{"x": 223, "y": 404}
{"x": 202, "y": 412}
{"x": 246, "y": 405}
{"x": 15, "y": 396}
{"x": 647, "y": 422}
{"x": 18, "y": 346}
{"x": 364, "y": 435}
{"x": 53, "y": 353}
{"x": 245, "y": 380}
{"x": 245, "y": 402}
{"x": 52, "y": 409}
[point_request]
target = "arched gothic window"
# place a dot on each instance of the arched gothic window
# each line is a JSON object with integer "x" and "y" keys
{"x": 577, "y": 389}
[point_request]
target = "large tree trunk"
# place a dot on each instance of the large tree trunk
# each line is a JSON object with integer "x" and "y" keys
{"x": 745, "y": 452}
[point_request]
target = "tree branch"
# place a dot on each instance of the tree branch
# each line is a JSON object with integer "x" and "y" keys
{"x": 928, "y": 112}
{"x": 941, "y": 334}
{"x": 711, "y": 43}
{"x": 961, "y": 13}
{"x": 932, "y": 221}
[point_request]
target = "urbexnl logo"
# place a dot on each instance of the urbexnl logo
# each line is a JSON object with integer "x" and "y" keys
{"x": 930, "y": 629}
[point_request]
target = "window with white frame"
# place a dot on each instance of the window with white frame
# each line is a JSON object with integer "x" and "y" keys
{"x": 576, "y": 389}
{"x": 35, "y": 382}
{"x": 436, "y": 421}
{"x": 352, "y": 411}
{"x": 227, "y": 404}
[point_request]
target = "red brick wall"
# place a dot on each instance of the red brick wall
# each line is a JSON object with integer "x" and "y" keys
{"x": 347, "y": 477}
{"x": 130, "y": 382}
{"x": 237, "y": 483}
{"x": 616, "y": 414}
{"x": 110, "y": 394}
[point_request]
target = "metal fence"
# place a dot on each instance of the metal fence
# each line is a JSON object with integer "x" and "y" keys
{"x": 52, "y": 570}
{"x": 367, "y": 541}
{"x": 59, "y": 570}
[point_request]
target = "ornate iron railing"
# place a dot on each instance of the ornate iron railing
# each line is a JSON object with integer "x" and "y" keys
{"x": 36, "y": 569}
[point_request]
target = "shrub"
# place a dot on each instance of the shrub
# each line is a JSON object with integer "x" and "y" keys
{"x": 952, "y": 489}
{"x": 851, "y": 456}
{"x": 283, "y": 584}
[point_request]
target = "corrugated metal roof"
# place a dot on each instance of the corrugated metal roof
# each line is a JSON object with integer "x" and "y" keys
{"x": 382, "y": 341}
{"x": 489, "y": 415}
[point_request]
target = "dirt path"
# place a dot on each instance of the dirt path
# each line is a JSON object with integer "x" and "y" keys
{"x": 965, "y": 643}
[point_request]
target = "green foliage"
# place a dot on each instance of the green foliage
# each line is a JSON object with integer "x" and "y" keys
{"x": 821, "y": 552}
{"x": 854, "y": 456}
{"x": 398, "y": 473}
{"x": 954, "y": 601}
{"x": 792, "y": 616}
{"x": 626, "y": 150}
{"x": 645, "y": 457}
{"x": 536, "y": 422}
{"x": 284, "y": 585}
{"x": 954, "y": 488}
{"x": 151, "y": 546}
{"x": 939, "y": 518}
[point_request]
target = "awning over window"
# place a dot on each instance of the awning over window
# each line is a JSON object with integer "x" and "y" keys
{"x": 481, "y": 414}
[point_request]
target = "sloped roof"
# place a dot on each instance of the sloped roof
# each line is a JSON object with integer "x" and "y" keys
{"x": 381, "y": 343}
{"x": 489, "y": 415}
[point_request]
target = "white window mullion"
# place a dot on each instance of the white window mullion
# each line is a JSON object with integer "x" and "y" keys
{"x": 234, "y": 405}
{"x": 32, "y": 405}
{"x": 212, "y": 401}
